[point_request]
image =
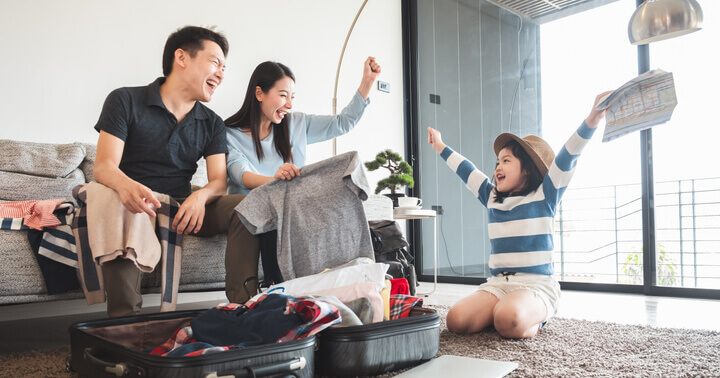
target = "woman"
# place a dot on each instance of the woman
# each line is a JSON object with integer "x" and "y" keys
{"x": 266, "y": 141}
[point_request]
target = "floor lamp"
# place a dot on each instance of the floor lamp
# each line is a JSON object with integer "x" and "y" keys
{"x": 337, "y": 75}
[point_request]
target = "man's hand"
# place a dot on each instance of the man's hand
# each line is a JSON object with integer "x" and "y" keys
{"x": 138, "y": 198}
{"x": 189, "y": 217}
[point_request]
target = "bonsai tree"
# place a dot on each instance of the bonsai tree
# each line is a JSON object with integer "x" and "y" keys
{"x": 400, "y": 171}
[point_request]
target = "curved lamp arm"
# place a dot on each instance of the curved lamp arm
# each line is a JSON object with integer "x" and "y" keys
{"x": 337, "y": 75}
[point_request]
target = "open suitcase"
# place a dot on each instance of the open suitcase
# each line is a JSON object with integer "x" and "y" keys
{"x": 378, "y": 348}
{"x": 115, "y": 347}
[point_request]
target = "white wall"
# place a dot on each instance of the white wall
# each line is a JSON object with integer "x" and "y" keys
{"x": 61, "y": 58}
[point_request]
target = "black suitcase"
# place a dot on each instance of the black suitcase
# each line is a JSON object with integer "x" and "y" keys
{"x": 115, "y": 347}
{"x": 378, "y": 348}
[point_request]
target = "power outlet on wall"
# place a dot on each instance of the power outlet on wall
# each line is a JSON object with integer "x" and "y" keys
{"x": 438, "y": 209}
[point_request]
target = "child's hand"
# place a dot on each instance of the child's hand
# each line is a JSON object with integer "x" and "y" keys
{"x": 435, "y": 140}
{"x": 595, "y": 116}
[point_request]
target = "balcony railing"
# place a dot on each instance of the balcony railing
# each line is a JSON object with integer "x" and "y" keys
{"x": 598, "y": 234}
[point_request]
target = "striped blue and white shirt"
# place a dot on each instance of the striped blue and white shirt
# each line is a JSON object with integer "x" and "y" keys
{"x": 521, "y": 227}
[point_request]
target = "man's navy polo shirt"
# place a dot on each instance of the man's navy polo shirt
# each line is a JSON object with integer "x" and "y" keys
{"x": 160, "y": 153}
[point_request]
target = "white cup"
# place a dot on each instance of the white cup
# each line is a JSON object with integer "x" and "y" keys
{"x": 409, "y": 202}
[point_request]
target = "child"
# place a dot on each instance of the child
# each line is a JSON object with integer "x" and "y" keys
{"x": 521, "y": 198}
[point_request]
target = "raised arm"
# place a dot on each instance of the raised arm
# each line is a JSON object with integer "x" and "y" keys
{"x": 563, "y": 167}
{"x": 371, "y": 70}
{"x": 320, "y": 128}
{"x": 475, "y": 181}
{"x": 593, "y": 119}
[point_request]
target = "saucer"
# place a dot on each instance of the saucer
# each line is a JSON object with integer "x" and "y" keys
{"x": 410, "y": 208}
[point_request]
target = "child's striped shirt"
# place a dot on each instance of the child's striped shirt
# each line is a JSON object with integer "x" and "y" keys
{"x": 521, "y": 227}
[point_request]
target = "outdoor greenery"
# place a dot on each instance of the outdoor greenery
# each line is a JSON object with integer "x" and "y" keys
{"x": 400, "y": 171}
{"x": 667, "y": 271}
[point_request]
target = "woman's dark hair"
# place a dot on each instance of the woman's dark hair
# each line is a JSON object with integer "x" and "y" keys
{"x": 265, "y": 76}
{"x": 190, "y": 39}
{"x": 533, "y": 178}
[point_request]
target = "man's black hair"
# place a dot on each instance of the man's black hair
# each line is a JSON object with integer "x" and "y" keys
{"x": 190, "y": 39}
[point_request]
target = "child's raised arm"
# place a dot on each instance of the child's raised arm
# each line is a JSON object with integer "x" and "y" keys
{"x": 595, "y": 115}
{"x": 435, "y": 140}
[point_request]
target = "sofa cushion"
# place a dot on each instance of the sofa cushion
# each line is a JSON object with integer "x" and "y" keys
{"x": 89, "y": 162}
{"x": 40, "y": 159}
{"x": 22, "y": 187}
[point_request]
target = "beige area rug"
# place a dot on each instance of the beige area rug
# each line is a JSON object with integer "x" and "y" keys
{"x": 580, "y": 348}
{"x": 564, "y": 348}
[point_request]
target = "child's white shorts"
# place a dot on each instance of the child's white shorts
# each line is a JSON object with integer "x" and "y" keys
{"x": 546, "y": 287}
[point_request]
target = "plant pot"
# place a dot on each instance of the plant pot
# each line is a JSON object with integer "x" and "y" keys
{"x": 394, "y": 198}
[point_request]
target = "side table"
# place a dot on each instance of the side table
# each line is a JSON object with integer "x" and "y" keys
{"x": 418, "y": 213}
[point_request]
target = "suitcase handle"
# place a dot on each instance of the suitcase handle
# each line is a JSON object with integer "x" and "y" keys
{"x": 118, "y": 369}
{"x": 261, "y": 371}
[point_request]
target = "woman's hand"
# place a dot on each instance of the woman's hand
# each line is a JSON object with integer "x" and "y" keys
{"x": 593, "y": 119}
{"x": 435, "y": 140}
{"x": 371, "y": 70}
{"x": 287, "y": 171}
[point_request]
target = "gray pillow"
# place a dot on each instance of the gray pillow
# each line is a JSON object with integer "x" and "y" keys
{"x": 21, "y": 187}
{"x": 40, "y": 159}
{"x": 89, "y": 162}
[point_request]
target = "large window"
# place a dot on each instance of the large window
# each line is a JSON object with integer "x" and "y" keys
{"x": 598, "y": 230}
{"x": 685, "y": 160}
{"x": 479, "y": 70}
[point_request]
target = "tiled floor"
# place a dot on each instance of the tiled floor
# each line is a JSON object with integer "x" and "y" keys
{"x": 26, "y": 326}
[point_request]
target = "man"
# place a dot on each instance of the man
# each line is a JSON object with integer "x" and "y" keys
{"x": 151, "y": 138}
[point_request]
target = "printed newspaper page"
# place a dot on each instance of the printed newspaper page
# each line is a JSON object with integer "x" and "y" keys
{"x": 639, "y": 104}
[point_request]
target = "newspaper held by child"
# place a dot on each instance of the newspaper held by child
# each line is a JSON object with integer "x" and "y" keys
{"x": 639, "y": 104}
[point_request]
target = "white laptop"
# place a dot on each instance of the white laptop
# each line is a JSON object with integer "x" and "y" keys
{"x": 457, "y": 366}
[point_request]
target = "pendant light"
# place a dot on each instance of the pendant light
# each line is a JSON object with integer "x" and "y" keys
{"x": 656, "y": 20}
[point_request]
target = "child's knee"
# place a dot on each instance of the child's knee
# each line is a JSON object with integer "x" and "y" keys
{"x": 507, "y": 318}
{"x": 457, "y": 321}
{"x": 513, "y": 323}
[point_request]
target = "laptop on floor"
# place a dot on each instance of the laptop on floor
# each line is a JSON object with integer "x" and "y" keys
{"x": 458, "y": 366}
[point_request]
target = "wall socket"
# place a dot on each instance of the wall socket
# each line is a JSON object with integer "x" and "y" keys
{"x": 383, "y": 86}
{"x": 438, "y": 209}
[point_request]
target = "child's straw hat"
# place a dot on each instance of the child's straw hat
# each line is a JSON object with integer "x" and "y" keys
{"x": 538, "y": 149}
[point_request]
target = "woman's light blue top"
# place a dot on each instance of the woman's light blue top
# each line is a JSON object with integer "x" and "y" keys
{"x": 304, "y": 129}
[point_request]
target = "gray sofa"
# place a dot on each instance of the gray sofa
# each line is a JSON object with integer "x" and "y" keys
{"x": 36, "y": 171}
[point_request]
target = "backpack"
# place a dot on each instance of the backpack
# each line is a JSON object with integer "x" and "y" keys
{"x": 389, "y": 246}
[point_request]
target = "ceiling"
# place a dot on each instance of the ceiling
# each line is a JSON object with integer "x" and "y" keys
{"x": 540, "y": 11}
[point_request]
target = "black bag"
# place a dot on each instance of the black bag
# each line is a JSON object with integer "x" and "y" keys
{"x": 389, "y": 245}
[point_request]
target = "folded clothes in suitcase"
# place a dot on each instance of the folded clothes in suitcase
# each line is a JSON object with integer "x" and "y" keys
{"x": 118, "y": 347}
{"x": 378, "y": 348}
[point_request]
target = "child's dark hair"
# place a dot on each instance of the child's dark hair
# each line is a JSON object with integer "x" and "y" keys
{"x": 533, "y": 178}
